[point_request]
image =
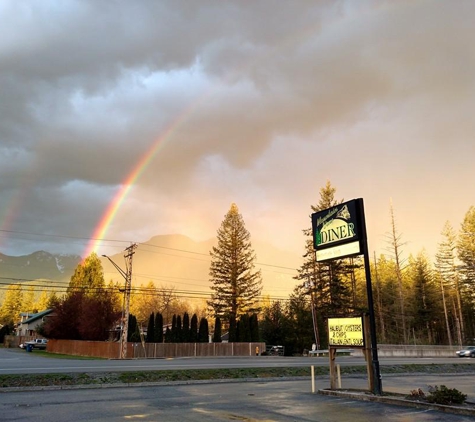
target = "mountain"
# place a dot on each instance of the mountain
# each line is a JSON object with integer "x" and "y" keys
{"x": 170, "y": 261}
{"x": 38, "y": 265}
{"x": 182, "y": 263}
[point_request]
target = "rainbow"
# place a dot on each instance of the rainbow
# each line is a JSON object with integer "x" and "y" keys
{"x": 111, "y": 211}
{"x": 126, "y": 186}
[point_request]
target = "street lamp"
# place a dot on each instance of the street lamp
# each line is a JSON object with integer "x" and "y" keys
{"x": 129, "y": 252}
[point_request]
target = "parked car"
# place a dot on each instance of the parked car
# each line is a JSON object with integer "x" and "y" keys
{"x": 276, "y": 351}
{"x": 468, "y": 352}
{"x": 37, "y": 343}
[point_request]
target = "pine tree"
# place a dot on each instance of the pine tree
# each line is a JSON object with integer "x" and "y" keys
{"x": 28, "y": 302}
{"x": 254, "y": 327}
{"x": 178, "y": 332}
{"x": 326, "y": 280}
{"x": 449, "y": 279}
{"x": 174, "y": 333}
{"x": 273, "y": 324}
{"x": 158, "y": 325}
{"x": 151, "y": 329}
{"x": 42, "y": 303}
{"x": 244, "y": 329}
{"x": 168, "y": 335}
{"x": 217, "y": 330}
{"x": 203, "y": 333}
{"x": 424, "y": 300}
{"x": 466, "y": 249}
{"x": 186, "y": 328}
{"x": 466, "y": 255}
{"x": 236, "y": 286}
{"x": 133, "y": 333}
{"x": 194, "y": 329}
{"x": 11, "y": 306}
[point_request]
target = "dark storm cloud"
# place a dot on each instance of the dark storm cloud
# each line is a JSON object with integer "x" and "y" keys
{"x": 87, "y": 88}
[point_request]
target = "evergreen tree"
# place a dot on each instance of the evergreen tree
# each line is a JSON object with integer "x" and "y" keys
{"x": 203, "y": 333}
{"x": 232, "y": 334}
{"x": 425, "y": 296}
{"x": 466, "y": 249}
{"x": 194, "y": 329}
{"x": 254, "y": 327}
{"x": 28, "y": 302}
{"x": 179, "y": 332}
{"x": 274, "y": 324}
{"x": 236, "y": 286}
{"x": 186, "y": 328}
{"x": 151, "y": 329}
{"x": 168, "y": 335}
{"x": 449, "y": 279}
{"x": 133, "y": 333}
{"x": 5, "y": 331}
{"x": 244, "y": 329}
{"x": 217, "y": 330}
{"x": 42, "y": 303}
{"x": 327, "y": 281}
{"x": 174, "y": 331}
{"x": 11, "y": 306}
{"x": 466, "y": 255}
{"x": 158, "y": 326}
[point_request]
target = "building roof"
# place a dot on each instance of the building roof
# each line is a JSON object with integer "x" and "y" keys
{"x": 36, "y": 316}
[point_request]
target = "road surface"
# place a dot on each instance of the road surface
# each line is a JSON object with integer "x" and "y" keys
{"x": 17, "y": 361}
{"x": 277, "y": 401}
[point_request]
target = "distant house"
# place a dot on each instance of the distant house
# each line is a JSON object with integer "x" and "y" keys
{"x": 29, "y": 322}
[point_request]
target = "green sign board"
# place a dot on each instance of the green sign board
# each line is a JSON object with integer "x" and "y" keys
{"x": 338, "y": 231}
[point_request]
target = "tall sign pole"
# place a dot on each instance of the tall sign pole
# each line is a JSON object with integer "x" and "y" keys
{"x": 378, "y": 388}
{"x": 340, "y": 232}
{"x": 129, "y": 253}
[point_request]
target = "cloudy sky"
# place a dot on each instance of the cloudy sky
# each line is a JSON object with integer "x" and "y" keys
{"x": 198, "y": 104}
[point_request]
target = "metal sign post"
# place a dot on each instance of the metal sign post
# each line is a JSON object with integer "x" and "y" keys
{"x": 340, "y": 232}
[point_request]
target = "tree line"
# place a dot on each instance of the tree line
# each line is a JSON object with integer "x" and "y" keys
{"x": 416, "y": 301}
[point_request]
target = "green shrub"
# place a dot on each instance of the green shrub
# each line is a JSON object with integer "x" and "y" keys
{"x": 444, "y": 395}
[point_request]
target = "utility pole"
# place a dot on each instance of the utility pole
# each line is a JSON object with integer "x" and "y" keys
{"x": 127, "y": 274}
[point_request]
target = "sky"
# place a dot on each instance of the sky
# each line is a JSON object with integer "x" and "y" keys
{"x": 124, "y": 120}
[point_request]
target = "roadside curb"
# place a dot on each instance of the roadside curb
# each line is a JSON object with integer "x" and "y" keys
{"x": 142, "y": 384}
{"x": 398, "y": 401}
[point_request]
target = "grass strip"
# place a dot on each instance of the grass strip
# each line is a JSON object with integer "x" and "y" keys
{"x": 42, "y": 380}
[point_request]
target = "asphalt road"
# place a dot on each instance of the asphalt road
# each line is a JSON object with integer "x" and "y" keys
{"x": 242, "y": 401}
{"x": 17, "y": 361}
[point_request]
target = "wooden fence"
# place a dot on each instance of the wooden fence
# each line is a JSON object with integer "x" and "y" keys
{"x": 110, "y": 350}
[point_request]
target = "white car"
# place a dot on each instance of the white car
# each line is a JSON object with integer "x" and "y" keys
{"x": 468, "y": 352}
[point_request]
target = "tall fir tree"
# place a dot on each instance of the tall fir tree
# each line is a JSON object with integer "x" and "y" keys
{"x": 194, "y": 329}
{"x": 203, "y": 333}
{"x": 466, "y": 255}
{"x": 328, "y": 281}
{"x": 217, "y": 330}
{"x": 186, "y": 328}
{"x": 449, "y": 280}
{"x": 244, "y": 330}
{"x": 254, "y": 327}
{"x": 158, "y": 325}
{"x": 11, "y": 306}
{"x": 236, "y": 285}
{"x": 151, "y": 329}
{"x": 424, "y": 301}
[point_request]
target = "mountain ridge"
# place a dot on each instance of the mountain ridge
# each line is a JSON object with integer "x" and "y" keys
{"x": 169, "y": 260}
